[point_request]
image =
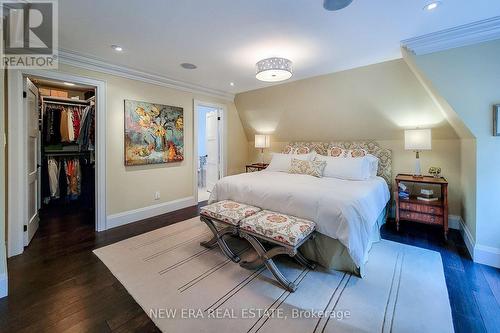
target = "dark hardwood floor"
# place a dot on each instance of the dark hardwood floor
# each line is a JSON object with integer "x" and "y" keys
{"x": 58, "y": 284}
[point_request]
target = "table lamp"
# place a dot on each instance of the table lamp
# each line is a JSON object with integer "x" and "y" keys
{"x": 418, "y": 140}
{"x": 262, "y": 141}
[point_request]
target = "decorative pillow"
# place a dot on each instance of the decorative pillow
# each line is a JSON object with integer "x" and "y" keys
{"x": 345, "y": 168}
{"x": 282, "y": 162}
{"x": 373, "y": 160}
{"x": 311, "y": 168}
{"x": 296, "y": 150}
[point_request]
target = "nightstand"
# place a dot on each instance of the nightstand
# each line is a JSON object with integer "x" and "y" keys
{"x": 428, "y": 212}
{"x": 256, "y": 167}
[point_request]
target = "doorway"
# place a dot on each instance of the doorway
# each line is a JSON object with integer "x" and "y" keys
{"x": 56, "y": 152}
{"x": 61, "y": 151}
{"x": 210, "y": 146}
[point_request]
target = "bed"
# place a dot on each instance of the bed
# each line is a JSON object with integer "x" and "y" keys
{"x": 348, "y": 214}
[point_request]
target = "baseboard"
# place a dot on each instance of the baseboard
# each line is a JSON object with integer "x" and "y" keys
{"x": 454, "y": 222}
{"x": 481, "y": 254}
{"x": 467, "y": 237}
{"x": 4, "y": 285}
{"x": 487, "y": 255}
{"x": 134, "y": 215}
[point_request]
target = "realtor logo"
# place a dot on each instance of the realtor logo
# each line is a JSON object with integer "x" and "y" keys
{"x": 29, "y": 31}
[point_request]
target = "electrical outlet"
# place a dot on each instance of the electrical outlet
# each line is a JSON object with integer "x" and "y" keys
{"x": 157, "y": 195}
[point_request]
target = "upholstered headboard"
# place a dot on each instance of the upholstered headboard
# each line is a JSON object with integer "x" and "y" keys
{"x": 384, "y": 155}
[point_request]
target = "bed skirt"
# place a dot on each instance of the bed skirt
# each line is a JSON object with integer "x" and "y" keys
{"x": 331, "y": 254}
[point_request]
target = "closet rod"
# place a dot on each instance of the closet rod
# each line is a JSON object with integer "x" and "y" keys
{"x": 63, "y": 103}
{"x": 67, "y": 153}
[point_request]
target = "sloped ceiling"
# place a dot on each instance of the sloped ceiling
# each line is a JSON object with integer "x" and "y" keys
{"x": 373, "y": 102}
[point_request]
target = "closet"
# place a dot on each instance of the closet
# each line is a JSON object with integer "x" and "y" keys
{"x": 67, "y": 121}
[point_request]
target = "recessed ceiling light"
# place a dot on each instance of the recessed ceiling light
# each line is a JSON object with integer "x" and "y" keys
{"x": 69, "y": 83}
{"x": 117, "y": 48}
{"x": 231, "y": 84}
{"x": 274, "y": 69}
{"x": 187, "y": 65}
{"x": 432, "y": 5}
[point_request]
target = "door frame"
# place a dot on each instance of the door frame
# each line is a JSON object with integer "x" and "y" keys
{"x": 222, "y": 136}
{"x": 17, "y": 192}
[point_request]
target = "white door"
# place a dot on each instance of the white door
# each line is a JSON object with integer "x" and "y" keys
{"x": 212, "y": 145}
{"x": 33, "y": 151}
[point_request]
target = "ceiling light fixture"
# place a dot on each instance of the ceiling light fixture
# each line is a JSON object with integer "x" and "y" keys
{"x": 231, "y": 84}
{"x": 432, "y": 5}
{"x": 69, "y": 84}
{"x": 274, "y": 69}
{"x": 117, "y": 48}
{"x": 187, "y": 65}
{"x": 333, "y": 5}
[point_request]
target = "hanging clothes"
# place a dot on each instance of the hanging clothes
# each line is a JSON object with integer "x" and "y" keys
{"x": 52, "y": 123}
{"x": 71, "y": 129}
{"x": 54, "y": 170}
{"x": 86, "y": 137}
{"x": 64, "y": 126}
{"x": 73, "y": 177}
{"x": 77, "y": 113}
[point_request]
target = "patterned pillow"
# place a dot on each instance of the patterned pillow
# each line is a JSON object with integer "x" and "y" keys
{"x": 311, "y": 168}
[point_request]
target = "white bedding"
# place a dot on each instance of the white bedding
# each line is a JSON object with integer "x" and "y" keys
{"x": 342, "y": 209}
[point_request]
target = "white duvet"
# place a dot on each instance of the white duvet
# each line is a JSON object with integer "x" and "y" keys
{"x": 342, "y": 209}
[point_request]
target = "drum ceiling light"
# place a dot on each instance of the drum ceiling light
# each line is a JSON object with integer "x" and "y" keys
{"x": 274, "y": 69}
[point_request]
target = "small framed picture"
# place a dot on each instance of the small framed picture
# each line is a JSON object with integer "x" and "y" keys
{"x": 496, "y": 120}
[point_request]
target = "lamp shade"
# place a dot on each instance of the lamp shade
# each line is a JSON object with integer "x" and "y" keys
{"x": 262, "y": 141}
{"x": 418, "y": 139}
{"x": 273, "y": 69}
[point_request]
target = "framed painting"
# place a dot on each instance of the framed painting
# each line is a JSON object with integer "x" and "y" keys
{"x": 154, "y": 133}
{"x": 496, "y": 120}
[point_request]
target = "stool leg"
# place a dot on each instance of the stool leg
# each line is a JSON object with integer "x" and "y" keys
{"x": 218, "y": 238}
{"x": 304, "y": 262}
{"x": 266, "y": 259}
{"x": 210, "y": 244}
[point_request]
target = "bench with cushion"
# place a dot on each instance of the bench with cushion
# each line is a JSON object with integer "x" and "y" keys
{"x": 287, "y": 233}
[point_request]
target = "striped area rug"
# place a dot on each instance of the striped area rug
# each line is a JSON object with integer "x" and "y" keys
{"x": 184, "y": 287}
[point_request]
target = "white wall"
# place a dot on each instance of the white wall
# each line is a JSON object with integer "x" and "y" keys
{"x": 3, "y": 249}
{"x": 469, "y": 79}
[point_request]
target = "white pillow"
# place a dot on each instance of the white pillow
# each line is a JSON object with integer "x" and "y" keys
{"x": 282, "y": 162}
{"x": 345, "y": 168}
{"x": 373, "y": 160}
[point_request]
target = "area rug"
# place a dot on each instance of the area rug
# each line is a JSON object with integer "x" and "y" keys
{"x": 184, "y": 287}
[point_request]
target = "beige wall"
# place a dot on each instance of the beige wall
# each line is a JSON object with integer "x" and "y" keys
{"x": 375, "y": 102}
{"x": 468, "y": 79}
{"x": 130, "y": 188}
{"x": 445, "y": 153}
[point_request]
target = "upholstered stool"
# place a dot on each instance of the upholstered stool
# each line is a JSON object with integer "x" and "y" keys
{"x": 286, "y": 232}
{"x": 229, "y": 214}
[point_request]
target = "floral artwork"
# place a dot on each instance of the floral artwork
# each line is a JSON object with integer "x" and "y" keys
{"x": 154, "y": 133}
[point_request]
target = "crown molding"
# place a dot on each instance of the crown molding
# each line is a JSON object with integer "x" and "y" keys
{"x": 87, "y": 62}
{"x": 468, "y": 34}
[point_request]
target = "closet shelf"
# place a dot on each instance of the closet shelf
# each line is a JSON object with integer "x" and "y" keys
{"x": 64, "y": 101}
